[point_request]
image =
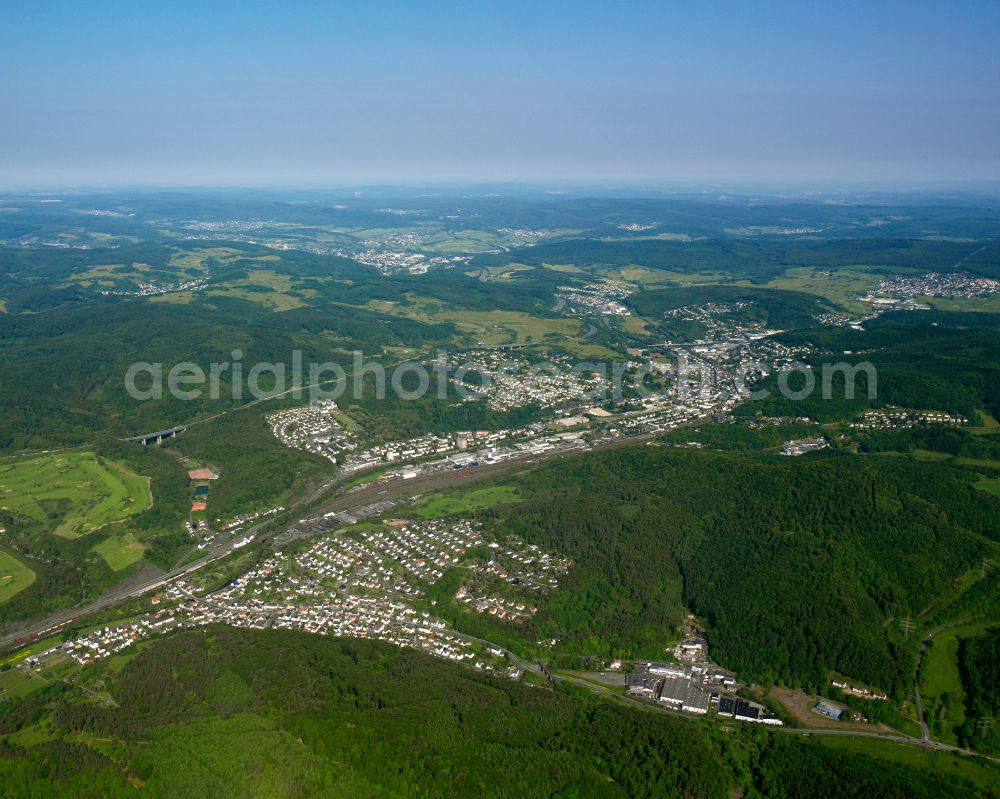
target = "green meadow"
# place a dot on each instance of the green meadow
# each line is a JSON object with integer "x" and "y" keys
{"x": 467, "y": 502}
{"x": 991, "y": 485}
{"x": 73, "y": 493}
{"x": 941, "y": 683}
{"x": 14, "y": 576}
{"x": 15, "y": 683}
{"x": 120, "y": 551}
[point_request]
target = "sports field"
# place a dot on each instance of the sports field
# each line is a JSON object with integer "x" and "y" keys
{"x": 14, "y": 576}
{"x": 72, "y": 493}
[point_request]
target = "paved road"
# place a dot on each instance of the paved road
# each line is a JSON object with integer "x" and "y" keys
{"x": 905, "y": 739}
{"x": 399, "y": 487}
{"x": 62, "y": 618}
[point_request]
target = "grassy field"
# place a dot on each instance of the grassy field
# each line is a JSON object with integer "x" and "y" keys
{"x": 941, "y": 683}
{"x": 941, "y": 457}
{"x": 183, "y": 265}
{"x": 981, "y": 772}
{"x": 501, "y": 272}
{"x": 262, "y": 286}
{"x": 73, "y": 492}
{"x": 365, "y": 477}
{"x": 986, "y": 423}
{"x": 120, "y": 551}
{"x": 14, "y": 576}
{"x": 929, "y": 455}
{"x": 188, "y": 259}
{"x": 990, "y": 303}
{"x": 990, "y": 486}
{"x": 650, "y": 278}
{"x": 502, "y": 327}
{"x": 477, "y": 499}
{"x": 569, "y": 268}
{"x": 840, "y": 286}
{"x": 459, "y": 242}
{"x": 496, "y": 328}
{"x": 34, "y": 734}
{"x": 983, "y": 462}
{"x": 634, "y": 325}
{"x": 347, "y": 422}
{"x": 16, "y": 683}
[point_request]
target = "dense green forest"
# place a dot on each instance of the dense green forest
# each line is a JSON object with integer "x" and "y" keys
{"x": 738, "y": 437}
{"x": 918, "y": 365}
{"x": 951, "y": 441}
{"x": 799, "y": 566}
{"x": 681, "y": 212}
{"x": 232, "y": 713}
{"x": 762, "y": 258}
{"x": 771, "y": 307}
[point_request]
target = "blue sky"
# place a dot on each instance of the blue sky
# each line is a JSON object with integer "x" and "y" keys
{"x": 332, "y": 93}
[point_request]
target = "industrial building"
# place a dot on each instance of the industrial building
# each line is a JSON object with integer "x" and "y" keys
{"x": 684, "y": 694}
{"x": 828, "y": 709}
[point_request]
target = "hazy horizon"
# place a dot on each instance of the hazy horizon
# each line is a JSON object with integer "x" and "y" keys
{"x": 804, "y": 189}
{"x": 271, "y": 94}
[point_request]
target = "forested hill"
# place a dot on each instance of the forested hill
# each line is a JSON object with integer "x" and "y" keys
{"x": 234, "y": 713}
{"x": 930, "y": 362}
{"x": 799, "y": 566}
{"x": 771, "y": 307}
{"x": 761, "y": 258}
